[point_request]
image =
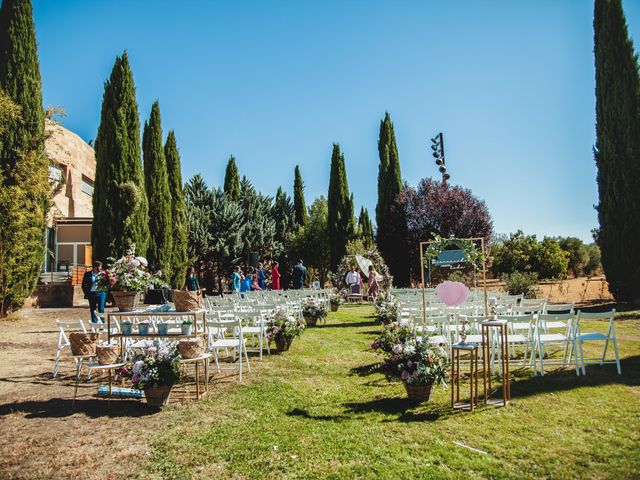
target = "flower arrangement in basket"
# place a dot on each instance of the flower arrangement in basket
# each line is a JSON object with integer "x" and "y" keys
{"x": 313, "y": 312}
{"x": 283, "y": 328}
{"x": 418, "y": 363}
{"x": 336, "y": 301}
{"x": 386, "y": 310}
{"x": 155, "y": 372}
{"x": 126, "y": 278}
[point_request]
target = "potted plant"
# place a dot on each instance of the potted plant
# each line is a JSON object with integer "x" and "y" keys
{"x": 283, "y": 328}
{"x": 387, "y": 311}
{"x": 126, "y": 326}
{"x": 419, "y": 364}
{"x": 187, "y": 327}
{"x": 127, "y": 279}
{"x": 156, "y": 372}
{"x": 312, "y": 313}
{"x": 143, "y": 327}
{"x": 335, "y": 301}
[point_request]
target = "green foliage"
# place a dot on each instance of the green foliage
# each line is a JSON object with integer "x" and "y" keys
{"x": 284, "y": 216}
{"x": 216, "y": 228}
{"x": 617, "y": 150}
{"x": 120, "y": 210}
{"x": 232, "y": 180}
{"x": 341, "y": 223}
{"x": 298, "y": 199}
{"x": 593, "y": 263}
{"x": 179, "y": 259}
{"x": 578, "y": 254}
{"x": 365, "y": 229}
{"x": 160, "y": 252}
{"x": 24, "y": 187}
{"x": 311, "y": 242}
{"x": 260, "y": 225}
{"x": 518, "y": 283}
{"x": 523, "y": 253}
{"x": 471, "y": 252}
{"x": 391, "y": 233}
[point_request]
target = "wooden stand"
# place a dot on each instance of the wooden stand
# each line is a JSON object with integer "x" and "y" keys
{"x": 473, "y": 349}
{"x": 204, "y": 358}
{"x": 494, "y": 334}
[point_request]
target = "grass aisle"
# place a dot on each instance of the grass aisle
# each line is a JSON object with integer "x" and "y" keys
{"x": 317, "y": 412}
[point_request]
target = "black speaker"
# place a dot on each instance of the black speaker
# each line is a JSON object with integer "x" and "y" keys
{"x": 254, "y": 259}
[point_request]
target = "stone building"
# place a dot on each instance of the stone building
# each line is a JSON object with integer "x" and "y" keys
{"x": 68, "y": 237}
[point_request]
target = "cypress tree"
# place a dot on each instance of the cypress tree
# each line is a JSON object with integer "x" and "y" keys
{"x": 298, "y": 199}
{"x": 120, "y": 210}
{"x": 341, "y": 225}
{"x": 24, "y": 187}
{"x": 365, "y": 228}
{"x": 232, "y": 180}
{"x": 160, "y": 250}
{"x": 179, "y": 258}
{"x": 617, "y": 150}
{"x": 391, "y": 233}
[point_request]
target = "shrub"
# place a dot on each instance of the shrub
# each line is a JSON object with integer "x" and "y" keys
{"x": 523, "y": 253}
{"x": 593, "y": 262}
{"x": 518, "y": 283}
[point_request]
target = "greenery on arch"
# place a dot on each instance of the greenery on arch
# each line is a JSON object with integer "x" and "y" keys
{"x": 471, "y": 252}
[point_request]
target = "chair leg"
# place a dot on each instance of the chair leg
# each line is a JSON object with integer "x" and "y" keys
{"x": 604, "y": 352}
{"x": 56, "y": 366}
{"x": 615, "y": 348}
{"x": 584, "y": 370}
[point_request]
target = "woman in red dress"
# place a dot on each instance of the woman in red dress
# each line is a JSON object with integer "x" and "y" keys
{"x": 275, "y": 277}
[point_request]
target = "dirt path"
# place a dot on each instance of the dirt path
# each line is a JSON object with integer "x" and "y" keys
{"x": 40, "y": 436}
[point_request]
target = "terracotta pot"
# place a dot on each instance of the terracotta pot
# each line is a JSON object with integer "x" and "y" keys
{"x": 283, "y": 344}
{"x": 311, "y": 321}
{"x": 158, "y": 396}
{"x": 334, "y": 308}
{"x": 126, "y": 301}
{"x": 420, "y": 392}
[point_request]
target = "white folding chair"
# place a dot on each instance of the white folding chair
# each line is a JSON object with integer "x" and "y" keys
{"x": 609, "y": 337}
{"x": 63, "y": 339}
{"x": 235, "y": 341}
{"x": 557, "y": 329}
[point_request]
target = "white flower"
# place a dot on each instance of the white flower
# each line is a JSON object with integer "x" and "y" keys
{"x": 409, "y": 349}
{"x": 397, "y": 349}
{"x": 143, "y": 261}
{"x": 137, "y": 367}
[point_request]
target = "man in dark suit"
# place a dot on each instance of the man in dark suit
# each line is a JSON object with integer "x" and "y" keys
{"x": 96, "y": 298}
{"x": 299, "y": 275}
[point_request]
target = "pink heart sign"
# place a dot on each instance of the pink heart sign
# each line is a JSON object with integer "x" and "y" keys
{"x": 452, "y": 293}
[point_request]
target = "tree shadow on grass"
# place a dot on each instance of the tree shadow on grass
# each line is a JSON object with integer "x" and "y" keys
{"x": 406, "y": 410}
{"x": 346, "y": 325}
{"x": 94, "y": 408}
{"x": 299, "y": 412}
{"x": 559, "y": 380}
{"x": 366, "y": 370}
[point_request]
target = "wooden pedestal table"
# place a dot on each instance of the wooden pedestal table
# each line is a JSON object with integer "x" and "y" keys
{"x": 204, "y": 358}
{"x": 472, "y": 349}
{"x": 110, "y": 368}
{"x": 495, "y": 348}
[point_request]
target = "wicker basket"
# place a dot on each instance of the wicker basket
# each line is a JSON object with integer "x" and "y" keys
{"x": 419, "y": 393}
{"x": 187, "y": 301}
{"x": 83, "y": 343}
{"x": 191, "y": 348}
{"x": 282, "y": 343}
{"x": 311, "y": 321}
{"x": 127, "y": 301}
{"x": 107, "y": 354}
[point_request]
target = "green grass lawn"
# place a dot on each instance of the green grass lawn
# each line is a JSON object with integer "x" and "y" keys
{"x": 319, "y": 411}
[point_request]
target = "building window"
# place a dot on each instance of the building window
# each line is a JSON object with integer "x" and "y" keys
{"x": 55, "y": 173}
{"x": 87, "y": 186}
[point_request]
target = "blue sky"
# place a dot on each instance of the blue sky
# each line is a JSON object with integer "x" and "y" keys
{"x": 275, "y": 83}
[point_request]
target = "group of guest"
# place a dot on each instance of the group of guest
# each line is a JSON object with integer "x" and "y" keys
{"x": 256, "y": 278}
{"x": 354, "y": 282}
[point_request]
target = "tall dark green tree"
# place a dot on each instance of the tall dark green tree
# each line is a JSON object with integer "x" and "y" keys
{"x": 179, "y": 258}
{"x": 302, "y": 218}
{"x": 120, "y": 210}
{"x": 284, "y": 215}
{"x": 391, "y": 232}
{"x": 340, "y": 208}
{"x": 232, "y": 180}
{"x": 365, "y": 229}
{"x": 160, "y": 250}
{"x": 617, "y": 150}
{"x": 24, "y": 189}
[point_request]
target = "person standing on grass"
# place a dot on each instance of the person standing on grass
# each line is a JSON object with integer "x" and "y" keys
{"x": 261, "y": 275}
{"x": 275, "y": 276}
{"x": 299, "y": 275}
{"x": 191, "y": 282}
{"x": 96, "y": 297}
{"x": 373, "y": 283}
{"x": 236, "y": 279}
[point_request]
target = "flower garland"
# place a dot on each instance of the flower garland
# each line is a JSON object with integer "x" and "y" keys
{"x": 472, "y": 254}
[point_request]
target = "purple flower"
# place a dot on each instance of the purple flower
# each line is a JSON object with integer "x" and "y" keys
{"x": 405, "y": 375}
